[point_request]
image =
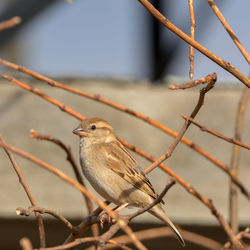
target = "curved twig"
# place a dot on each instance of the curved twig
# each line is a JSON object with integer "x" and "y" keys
{"x": 71, "y": 159}
{"x": 192, "y": 30}
{"x": 27, "y": 191}
{"x": 229, "y": 30}
{"x": 41, "y": 210}
{"x": 210, "y": 131}
{"x": 184, "y": 128}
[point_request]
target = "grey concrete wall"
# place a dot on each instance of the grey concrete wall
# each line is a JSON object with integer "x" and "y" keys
{"x": 21, "y": 111}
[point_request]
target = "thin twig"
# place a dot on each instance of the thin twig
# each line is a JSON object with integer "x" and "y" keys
{"x": 85, "y": 224}
{"x": 170, "y": 183}
{"x": 210, "y": 131}
{"x": 233, "y": 195}
{"x": 145, "y": 118}
{"x": 184, "y": 128}
{"x": 192, "y": 30}
{"x": 44, "y": 96}
{"x": 106, "y": 236}
{"x": 25, "y": 244}
{"x": 41, "y": 210}
{"x": 224, "y": 64}
{"x": 160, "y": 232}
{"x": 10, "y": 23}
{"x": 27, "y": 191}
{"x": 229, "y": 30}
{"x": 122, "y": 224}
{"x": 80, "y": 241}
{"x": 239, "y": 236}
{"x": 191, "y": 84}
{"x": 70, "y": 158}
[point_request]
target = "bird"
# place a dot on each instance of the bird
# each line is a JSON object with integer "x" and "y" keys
{"x": 113, "y": 172}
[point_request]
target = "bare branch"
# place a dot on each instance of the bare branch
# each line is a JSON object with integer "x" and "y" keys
{"x": 25, "y": 244}
{"x": 233, "y": 195}
{"x": 27, "y": 191}
{"x": 184, "y": 128}
{"x": 192, "y": 30}
{"x": 71, "y": 159}
{"x": 160, "y": 232}
{"x": 170, "y": 183}
{"x": 229, "y": 30}
{"x": 41, "y": 210}
{"x": 210, "y": 131}
{"x": 239, "y": 236}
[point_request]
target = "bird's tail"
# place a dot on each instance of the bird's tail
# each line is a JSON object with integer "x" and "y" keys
{"x": 158, "y": 212}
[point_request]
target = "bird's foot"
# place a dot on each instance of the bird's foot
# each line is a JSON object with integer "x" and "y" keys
{"x": 105, "y": 218}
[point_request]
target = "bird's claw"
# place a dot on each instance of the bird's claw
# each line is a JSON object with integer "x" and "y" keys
{"x": 105, "y": 218}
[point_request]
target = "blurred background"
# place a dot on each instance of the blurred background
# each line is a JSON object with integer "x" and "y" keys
{"x": 120, "y": 38}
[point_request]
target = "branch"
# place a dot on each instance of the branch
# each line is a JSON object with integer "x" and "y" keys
{"x": 160, "y": 232}
{"x": 27, "y": 191}
{"x": 224, "y": 64}
{"x": 229, "y": 30}
{"x": 170, "y": 183}
{"x": 44, "y": 96}
{"x": 25, "y": 244}
{"x": 235, "y": 160}
{"x": 80, "y": 241}
{"x": 71, "y": 159}
{"x": 184, "y": 128}
{"x": 210, "y": 131}
{"x": 192, "y": 30}
{"x": 85, "y": 224}
{"x": 239, "y": 236}
{"x": 191, "y": 84}
{"x": 41, "y": 210}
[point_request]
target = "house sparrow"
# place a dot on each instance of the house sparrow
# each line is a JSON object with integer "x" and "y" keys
{"x": 112, "y": 170}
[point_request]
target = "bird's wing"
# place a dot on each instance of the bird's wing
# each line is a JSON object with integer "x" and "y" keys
{"x": 124, "y": 164}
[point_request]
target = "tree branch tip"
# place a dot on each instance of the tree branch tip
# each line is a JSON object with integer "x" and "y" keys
{"x": 17, "y": 19}
{"x": 26, "y": 244}
{"x": 171, "y": 181}
{"x": 18, "y": 212}
{"x": 32, "y": 133}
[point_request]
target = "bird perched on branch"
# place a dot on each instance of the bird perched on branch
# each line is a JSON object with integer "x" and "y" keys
{"x": 112, "y": 170}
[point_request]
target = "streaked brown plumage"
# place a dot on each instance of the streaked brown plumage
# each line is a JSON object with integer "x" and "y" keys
{"x": 112, "y": 170}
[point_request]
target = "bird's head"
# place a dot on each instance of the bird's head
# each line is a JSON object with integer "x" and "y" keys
{"x": 95, "y": 129}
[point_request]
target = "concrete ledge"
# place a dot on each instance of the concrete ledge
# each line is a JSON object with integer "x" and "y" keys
{"x": 20, "y": 111}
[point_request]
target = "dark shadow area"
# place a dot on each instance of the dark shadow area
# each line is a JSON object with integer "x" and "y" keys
{"x": 13, "y": 230}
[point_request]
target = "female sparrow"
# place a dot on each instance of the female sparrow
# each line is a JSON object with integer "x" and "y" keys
{"x": 112, "y": 170}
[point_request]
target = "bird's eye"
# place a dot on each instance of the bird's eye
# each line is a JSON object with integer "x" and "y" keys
{"x": 93, "y": 127}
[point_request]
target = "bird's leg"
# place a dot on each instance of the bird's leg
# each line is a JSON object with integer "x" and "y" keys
{"x": 107, "y": 218}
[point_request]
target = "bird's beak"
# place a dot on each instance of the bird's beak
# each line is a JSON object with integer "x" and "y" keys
{"x": 79, "y": 131}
